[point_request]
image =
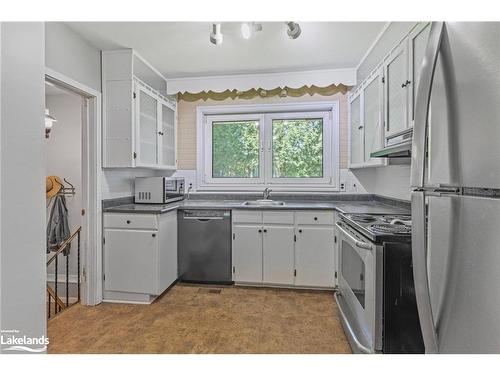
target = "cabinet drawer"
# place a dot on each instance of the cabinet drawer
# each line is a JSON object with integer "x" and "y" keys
{"x": 314, "y": 217}
{"x": 244, "y": 216}
{"x": 277, "y": 217}
{"x": 130, "y": 221}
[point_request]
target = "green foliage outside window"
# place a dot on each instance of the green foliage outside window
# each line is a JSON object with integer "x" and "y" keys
{"x": 235, "y": 149}
{"x": 298, "y": 148}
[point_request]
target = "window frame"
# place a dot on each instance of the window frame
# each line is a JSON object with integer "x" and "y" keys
{"x": 264, "y": 113}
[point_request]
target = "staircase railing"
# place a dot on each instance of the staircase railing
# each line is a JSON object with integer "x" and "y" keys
{"x": 52, "y": 293}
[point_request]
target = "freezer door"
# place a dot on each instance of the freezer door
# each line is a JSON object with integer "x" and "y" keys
{"x": 463, "y": 280}
{"x": 461, "y": 76}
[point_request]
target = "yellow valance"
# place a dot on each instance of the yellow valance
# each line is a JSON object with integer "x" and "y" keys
{"x": 252, "y": 93}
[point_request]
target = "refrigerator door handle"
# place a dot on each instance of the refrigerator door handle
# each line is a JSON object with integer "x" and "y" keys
{"x": 420, "y": 128}
{"x": 420, "y": 272}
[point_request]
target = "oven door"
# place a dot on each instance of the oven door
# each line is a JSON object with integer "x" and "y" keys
{"x": 360, "y": 283}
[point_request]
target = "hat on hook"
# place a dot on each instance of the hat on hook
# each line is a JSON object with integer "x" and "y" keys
{"x": 53, "y": 185}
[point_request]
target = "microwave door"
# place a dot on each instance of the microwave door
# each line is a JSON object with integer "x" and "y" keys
{"x": 458, "y": 108}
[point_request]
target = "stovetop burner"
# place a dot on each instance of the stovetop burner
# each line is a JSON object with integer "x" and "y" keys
{"x": 362, "y": 218}
{"x": 391, "y": 228}
{"x": 389, "y": 218}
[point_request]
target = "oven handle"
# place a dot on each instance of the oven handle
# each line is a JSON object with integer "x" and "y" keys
{"x": 358, "y": 243}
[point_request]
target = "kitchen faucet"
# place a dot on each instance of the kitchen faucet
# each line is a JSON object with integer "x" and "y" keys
{"x": 267, "y": 193}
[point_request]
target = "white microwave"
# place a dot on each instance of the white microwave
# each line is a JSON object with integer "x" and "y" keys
{"x": 158, "y": 190}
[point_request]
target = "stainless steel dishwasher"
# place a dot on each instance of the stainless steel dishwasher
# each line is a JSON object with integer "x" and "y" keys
{"x": 204, "y": 240}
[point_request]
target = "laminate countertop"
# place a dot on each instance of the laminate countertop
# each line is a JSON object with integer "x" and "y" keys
{"x": 343, "y": 206}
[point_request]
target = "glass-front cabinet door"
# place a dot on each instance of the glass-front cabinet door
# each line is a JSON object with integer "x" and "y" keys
{"x": 396, "y": 91}
{"x": 417, "y": 43}
{"x": 355, "y": 131}
{"x": 168, "y": 135}
{"x": 372, "y": 117}
{"x": 147, "y": 144}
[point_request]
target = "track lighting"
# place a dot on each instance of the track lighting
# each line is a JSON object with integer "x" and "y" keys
{"x": 293, "y": 30}
{"x": 249, "y": 29}
{"x": 216, "y": 36}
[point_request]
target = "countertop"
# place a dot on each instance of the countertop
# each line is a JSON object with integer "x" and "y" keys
{"x": 343, "y": 206}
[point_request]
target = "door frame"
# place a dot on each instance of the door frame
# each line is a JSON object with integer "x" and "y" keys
{"x": 91, "y": 181}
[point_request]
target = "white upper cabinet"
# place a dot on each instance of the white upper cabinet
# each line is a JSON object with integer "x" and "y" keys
{"x": 168, "y": 136}
{"x": 147, "y": 128}
{"x": 382, "y": 107}
{"x": 366, "y": 130}
{"x": 417, "y": 42}
{"x": 396, "y": 91}
{"x": 139, "y": 126}
{"x": 373, "y": 121}
{"x": 355, "y": 131}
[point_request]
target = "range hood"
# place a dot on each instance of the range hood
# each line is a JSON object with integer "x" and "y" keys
{"x": 397, "y": 146}
{"x": 399, "y": 150}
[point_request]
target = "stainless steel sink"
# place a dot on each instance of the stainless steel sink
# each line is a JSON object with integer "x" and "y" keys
{"x": 264, "y": 202}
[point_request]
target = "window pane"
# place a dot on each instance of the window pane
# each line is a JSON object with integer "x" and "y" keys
{"x": 235, "y": 149}
{"x": 298, "y": 148}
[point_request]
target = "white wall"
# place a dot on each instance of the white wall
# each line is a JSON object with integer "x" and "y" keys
{"x": 63, "y": 151}
{"x": 392, "y": 180}
{"x": 68, "y": 53}
{"x": 22, "y": 166}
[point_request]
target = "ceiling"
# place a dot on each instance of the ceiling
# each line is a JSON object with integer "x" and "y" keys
{"x": 183, "y": 49}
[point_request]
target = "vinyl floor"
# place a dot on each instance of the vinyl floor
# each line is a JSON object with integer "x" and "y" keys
{"x": 205, "y": 319}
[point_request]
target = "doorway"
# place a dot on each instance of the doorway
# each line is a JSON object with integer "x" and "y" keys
{"x": 73, "y": 154}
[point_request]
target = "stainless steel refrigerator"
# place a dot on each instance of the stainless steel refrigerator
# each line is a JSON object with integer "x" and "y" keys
{"x": 455, "y": 176}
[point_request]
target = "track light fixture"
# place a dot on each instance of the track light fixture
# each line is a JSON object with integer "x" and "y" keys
{"x": 249, "y": 29}
{"x": 293, "y": 30}
{"x": 216, "y": 35}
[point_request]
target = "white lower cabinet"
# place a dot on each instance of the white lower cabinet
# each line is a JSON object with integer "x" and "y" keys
{"x": 284, "y": 248}
{"x": 247, "y": 253}
{"x": 314, "y": 260}
{"x": 278, "y": 254}
{"x": 140, "y": 255}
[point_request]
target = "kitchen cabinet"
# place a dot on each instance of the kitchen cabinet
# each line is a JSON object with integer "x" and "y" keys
{"x": 139, "y": 122}
{"x": 336, "y": 251}
{"x": 278, "y": 254}
{"x": 271, "y": 248}
{"x": 366, "y": 122}
{"x": 373, "y": 121}
{"x": 382, "y": 107}
{"x": 247, "y": 253}
{"x": 396, "y": 91}
{"x": 355, "y": 131}
{"x": 417, "y": 42}
{"x": 314, "y": 252}
{"x": 140, "y": 255}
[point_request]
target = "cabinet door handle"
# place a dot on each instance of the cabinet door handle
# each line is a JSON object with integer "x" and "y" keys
{"x": 300, "y": 230}
{"x": 265, "y": 230}
{"x": 316, "y": 219}
{"x": 260, "y": 230}
{"x": 153, "y": 235}
{"x": 128, "y": 221}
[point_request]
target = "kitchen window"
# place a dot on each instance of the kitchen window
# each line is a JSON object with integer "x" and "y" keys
{"x": 288, "y": 149}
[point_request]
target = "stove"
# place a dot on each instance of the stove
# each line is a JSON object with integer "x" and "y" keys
{"x": 380, "y": 228}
